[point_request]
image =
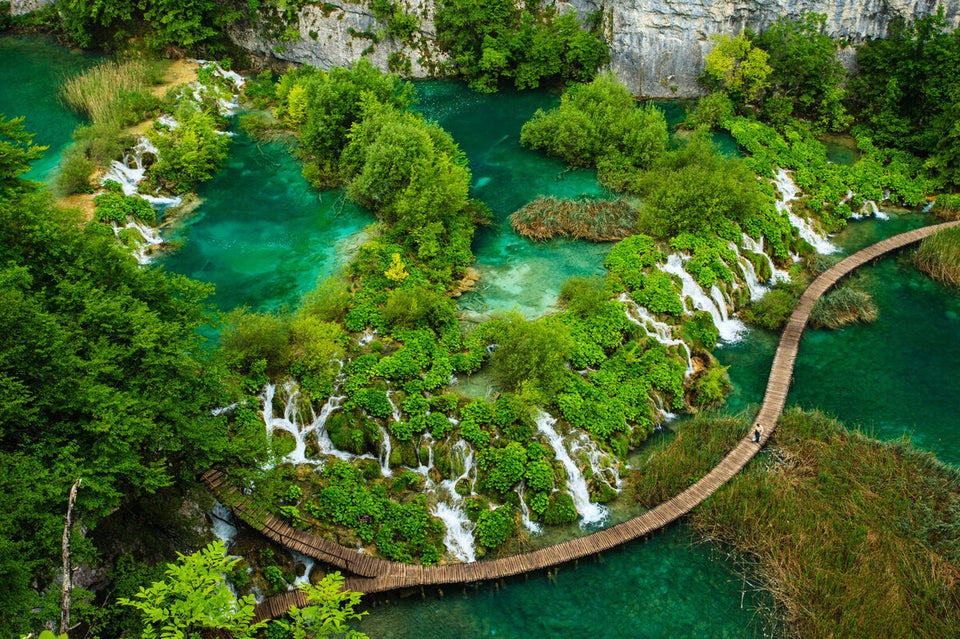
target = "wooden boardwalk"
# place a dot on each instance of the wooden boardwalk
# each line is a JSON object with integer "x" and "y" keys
{"x": 370, "y": 575}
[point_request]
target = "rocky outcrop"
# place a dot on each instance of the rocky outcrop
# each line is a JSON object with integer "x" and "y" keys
{"x": 656, "y": 46}
{"x": 20, "y": 7}
{"x": 339, "y": 33}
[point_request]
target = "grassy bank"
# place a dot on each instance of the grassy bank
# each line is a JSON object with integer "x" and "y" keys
{"x": 854, "y": 537}
{"x": 939, "y": 256}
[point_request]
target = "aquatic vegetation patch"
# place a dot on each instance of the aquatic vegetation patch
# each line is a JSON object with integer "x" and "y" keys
{"x": 594, "y": 220}
{"x": 842, "y": 306}
{"x": 939, "y": 256}
{"x": 855, "y": 538}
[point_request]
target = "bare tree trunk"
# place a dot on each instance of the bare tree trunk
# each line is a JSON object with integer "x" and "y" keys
{"x": 66, "y": 586}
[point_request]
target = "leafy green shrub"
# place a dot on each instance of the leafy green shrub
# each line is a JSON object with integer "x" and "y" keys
{"x": 700, "y": 331}
{"x": 73, "y": 174}
{"x": 114, "y": 206}
{"x": 374, "y": 401}
{"x": 561, "y": 510}
{"x": 710, "y": 388}
{"x": 773, "y": 309}
{"x": 531, "y": 355}
{"x": 494, "y": 527}
{"x": 596, "y": 121}
{"x": 190, "y": 153}
{"x": 502, "y": 467}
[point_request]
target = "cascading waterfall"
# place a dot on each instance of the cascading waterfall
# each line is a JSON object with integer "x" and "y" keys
{"x": 755, "y": 246}
{"x": 528, "y": 523}
{"x": 385, "y": 450}
{"x": 788, "y": 192}
{"x": 458, "y": 535}
{"x": 308, "y": 565}
{"x": 601, "y": 464}
{"x": 590, "y": 512}
{"x": 654, "y": 328}
{"x": 750, "y": 278}
{"x": 730, "y": 329}
{"x": 223, "y": 524}
{"x": 288, "y": 422}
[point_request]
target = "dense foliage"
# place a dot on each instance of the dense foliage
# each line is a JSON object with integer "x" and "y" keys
{"x": 354, "y": 130}
{"x": 598, "y": 123}
{"x": 494, "y": 41}
{"x": 907, "y": 93}
{"x": 103, "y": 375}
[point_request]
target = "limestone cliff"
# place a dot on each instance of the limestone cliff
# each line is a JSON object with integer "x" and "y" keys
{"x": 656, "y": 46}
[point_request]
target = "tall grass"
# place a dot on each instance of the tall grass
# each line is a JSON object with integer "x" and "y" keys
{"x": 699, "y": 445}
{"x": 842, "y": 306}
{"x": 939, "y": 256}
{"x": 854, "y": 537}
{"x": 105, "y": 93}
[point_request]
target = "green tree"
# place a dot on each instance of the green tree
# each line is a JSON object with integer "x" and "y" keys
{"x": 190, "y": 153}
{"x": 805, "y": 69}
{"x": 737, "y": 67}
{"x": 195, "y": 599}
{"x": 329, "y": 613}
{"x": 17, "y": 151}
{"x": 493, "y": 41}
{"x": 596, "y": 122}
{"x": 694, "y": 189}
{"x": 531, "y": 356}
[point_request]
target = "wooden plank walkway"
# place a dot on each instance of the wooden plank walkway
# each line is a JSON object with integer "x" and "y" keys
{"x": 370, "y": 575}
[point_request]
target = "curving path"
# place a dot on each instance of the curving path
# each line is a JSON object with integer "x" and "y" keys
{"x": 377, "y": 575}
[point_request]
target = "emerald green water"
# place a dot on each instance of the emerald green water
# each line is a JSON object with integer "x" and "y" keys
{"x": 667, "y": 587}
{"x": 32, "y": 69}
{"x": 263, "y": 235}
{"x": 516, "y": 273}
{"x": 894, "y": 377}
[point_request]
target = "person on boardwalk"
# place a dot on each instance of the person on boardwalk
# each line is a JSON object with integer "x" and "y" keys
{"x": 757, "y": 432}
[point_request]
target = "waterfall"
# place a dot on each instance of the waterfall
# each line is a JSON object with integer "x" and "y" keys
{"x": 730, "y": 329}
{"x": 223, "y": 524}
{"x": 577, "y": 486}
{"x": 289, "y": 423}
{"x": 600, "y": 463}
{"x": 755, "y": 246}
{"x": 654, "y": 328}
{"x": 395, "y": 410}
{"x": 788, "y": 192}
{"x": 528, "y": 523}
{"x": 756, "y": 288}
{"x": 458, "y": 529}
{"x": 385, "y": 449}
{"x": 665, "y": 415}
{"x": 367, "y": 337}
{"x": 308, "y": 564}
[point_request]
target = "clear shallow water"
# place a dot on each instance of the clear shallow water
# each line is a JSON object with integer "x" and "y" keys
{"x": 32, "y": 69}
{"x": 263, "y": 235}
{"x": 894, "y": 377}
{"x": 516, "y": 273}
{"x": 666, "y": 587}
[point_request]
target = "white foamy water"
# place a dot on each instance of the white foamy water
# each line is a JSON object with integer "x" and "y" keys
{"x": 730, "y": 329}
{"x": 755, "y": 246}
{"x": 528, "y": 523}
{"x": 656, "y": 329}
{"x": 223, "y": 524}
{"x": 589, "y": 512}
{"x": 788, "y": 192}
{"x": 290, "y": 422}
{"x": 458, "y": 529}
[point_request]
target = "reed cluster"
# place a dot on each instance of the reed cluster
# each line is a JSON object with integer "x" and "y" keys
{"x": 103, "y": 92}
{"x": 939, "y": 256}
{"x": 595, "y": 220}
{"x": 842, "y": 306}
{"x": 854, "y": 537}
